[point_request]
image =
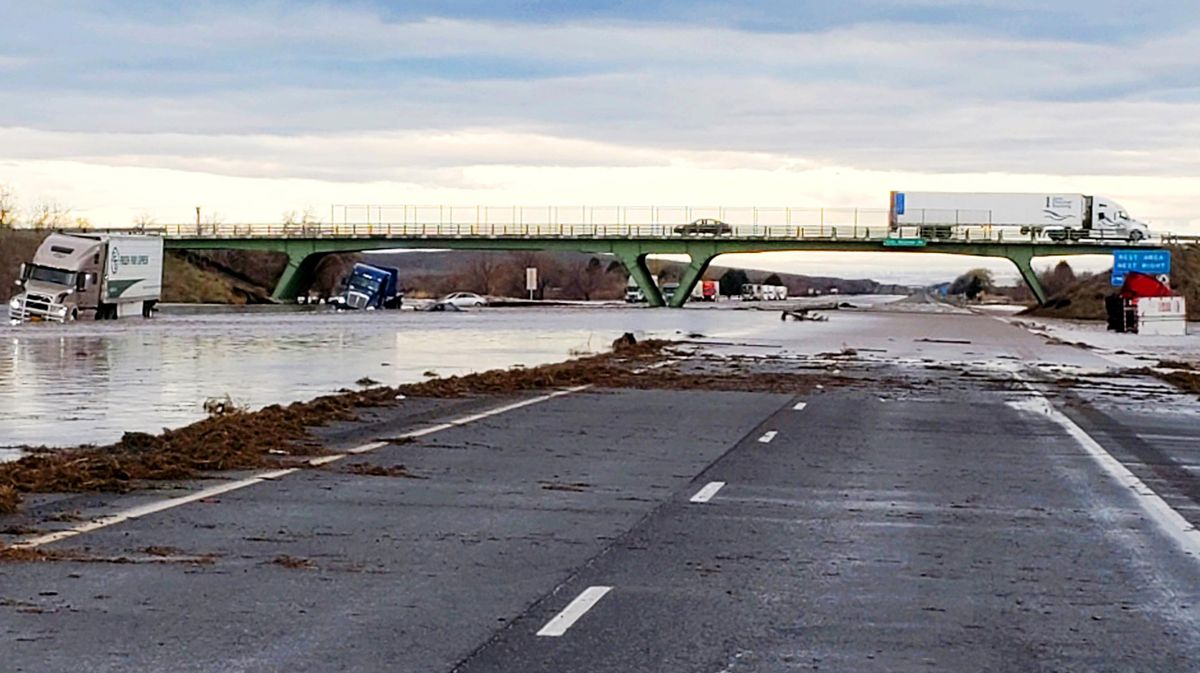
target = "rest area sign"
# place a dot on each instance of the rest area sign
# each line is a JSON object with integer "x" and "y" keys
{"x": 1152, "y": 262}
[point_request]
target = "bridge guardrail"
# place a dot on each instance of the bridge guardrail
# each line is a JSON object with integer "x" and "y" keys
{"x": 834, "y": 232}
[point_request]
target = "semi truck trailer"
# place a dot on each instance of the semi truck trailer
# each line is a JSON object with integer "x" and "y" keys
{"x": 1059, "y": 217}
{"x": 106, "y": 276}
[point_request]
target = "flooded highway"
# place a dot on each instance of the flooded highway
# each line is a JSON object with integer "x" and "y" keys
{"x": 65, "y": 385}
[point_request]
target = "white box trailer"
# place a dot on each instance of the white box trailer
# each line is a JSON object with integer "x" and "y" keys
{"x": 111, "y": 276}
{"x": 1059, "y": 216}
{"x": 1161, "y": 316}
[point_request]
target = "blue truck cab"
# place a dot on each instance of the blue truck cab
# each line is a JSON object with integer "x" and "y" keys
{"x": 372, "y": 287}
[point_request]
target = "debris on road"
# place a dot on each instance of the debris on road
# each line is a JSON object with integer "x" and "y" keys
{"x": 942, "y": 341}
{"x": 369, "y": 470}
{"x": 275, "y": 435}
{"x": 576, "y": 487}
{"x": 293, "y": 562}
{"x": 802, "y": 314}
{"x": 219, "y": 406}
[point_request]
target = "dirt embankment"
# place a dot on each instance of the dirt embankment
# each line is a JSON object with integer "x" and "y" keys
{"x": 187, "y": 277}
{"x": 1084, "y": 299}
{"x": 276, "y": 435}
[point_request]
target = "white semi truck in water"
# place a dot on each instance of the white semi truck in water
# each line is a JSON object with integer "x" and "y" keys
{"x": 107, "y": 276}
{"x": 1059, "y": 217}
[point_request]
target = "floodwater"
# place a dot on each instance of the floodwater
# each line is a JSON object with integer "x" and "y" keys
{"x": 87, "y": 383}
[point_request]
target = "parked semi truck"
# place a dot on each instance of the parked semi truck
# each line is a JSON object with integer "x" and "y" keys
{"x": 705, "y": 290}
{"x": 106, "y": 276}
{"x": 370, "y": 287}
{"x": 633, "y": 293}
{"x": 759, "y": 292}
{"x": 1059, "y": 217}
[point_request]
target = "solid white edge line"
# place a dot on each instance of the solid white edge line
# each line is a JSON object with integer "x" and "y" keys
{"x": 1168, "y": 520}
{"x": 170, "y": 503}
{"x": 577, "y": 608}
{"x": 150, "y": 508}
{"x": 768, "y": 436}
{"x": 705, "y": 494}
{"x": 799, "y": 406}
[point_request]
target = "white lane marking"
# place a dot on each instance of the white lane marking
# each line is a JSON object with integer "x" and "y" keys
{"x": 151, "y": 508}
{"x": 571, "y": 614}
{"x": 170, "y": 503}
{"x": 799, "y": 406}
{"x": 325, "y": 460}
{"x": 768, "y": 436}
{"x": 705, "y": 494}
{"x": 362, "y": 449}
{"x": 1168, "y": 520}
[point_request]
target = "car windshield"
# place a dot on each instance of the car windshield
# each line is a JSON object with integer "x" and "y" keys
{"x": 47, "y": 274}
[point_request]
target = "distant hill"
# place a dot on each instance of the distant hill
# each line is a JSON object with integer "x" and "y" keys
{"x": 432, "y": 269}
{"x": 1084, "y": 299}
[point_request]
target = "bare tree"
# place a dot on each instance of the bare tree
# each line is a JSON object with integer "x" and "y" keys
{"x": 144, "y": 221}
{"x": 481, "y": 273}
{"x": 585, "y": 280}
{"x": 549, "y": 272}
{"x": 49, "y": 214}
{"x": 8, "y": 207}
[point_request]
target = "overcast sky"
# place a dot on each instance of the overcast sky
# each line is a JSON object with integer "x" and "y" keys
{"x": 250, "y": 109}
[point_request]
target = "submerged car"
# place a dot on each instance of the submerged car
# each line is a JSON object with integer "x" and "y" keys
{"x": 704, "y": 226}
{"x": 464, "y": 299}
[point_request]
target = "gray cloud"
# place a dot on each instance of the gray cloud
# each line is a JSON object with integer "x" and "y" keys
{"x": 341, "y": 94}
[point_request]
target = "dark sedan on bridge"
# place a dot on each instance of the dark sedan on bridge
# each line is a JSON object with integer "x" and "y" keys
{"x": 706, "y": 226}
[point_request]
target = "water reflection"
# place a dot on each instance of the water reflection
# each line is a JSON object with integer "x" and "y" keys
{"x": 88, "y": 383}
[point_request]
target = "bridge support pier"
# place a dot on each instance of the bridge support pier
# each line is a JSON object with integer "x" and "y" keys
{"x": 635, "y": 264}
{"x": 299, "y": 272}
{"x": 691, "y": 275}
{"x": 1023, "y": 259}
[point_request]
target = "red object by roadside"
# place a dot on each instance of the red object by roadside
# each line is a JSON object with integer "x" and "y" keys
{"x": 1143, "y": 285}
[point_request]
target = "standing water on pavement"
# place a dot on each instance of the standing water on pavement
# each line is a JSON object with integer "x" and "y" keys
{"x": 87, "y": 383}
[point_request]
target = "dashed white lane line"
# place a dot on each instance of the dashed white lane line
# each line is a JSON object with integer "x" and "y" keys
{"x": 170, "y": 503}
{"x": 705, "y": 494}
{"x": 1168, "y": 520}
{"x": 799, "y": 406}
{"x": 768, "y": 436}
{"x": 574, "y": 610}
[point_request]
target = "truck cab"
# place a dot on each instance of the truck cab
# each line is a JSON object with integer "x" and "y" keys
{"x": 114, "y": 276}
{"x": 371, "y": 287}
{"x": 1110, "y": 220}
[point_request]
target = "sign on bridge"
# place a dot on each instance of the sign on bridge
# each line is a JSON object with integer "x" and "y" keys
{"x": 1152, "y": 262}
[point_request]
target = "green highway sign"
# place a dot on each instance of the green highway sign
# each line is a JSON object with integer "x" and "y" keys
{"x": 904, "y": 243}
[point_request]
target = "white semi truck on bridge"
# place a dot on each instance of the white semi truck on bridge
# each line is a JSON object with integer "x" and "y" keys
{"x": 1059, "y": 217}
{"x": 108, "y": 276}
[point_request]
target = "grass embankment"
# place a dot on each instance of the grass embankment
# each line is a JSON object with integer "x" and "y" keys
{"x": 1084, "y": 300}
{"x": 274, "y": 436}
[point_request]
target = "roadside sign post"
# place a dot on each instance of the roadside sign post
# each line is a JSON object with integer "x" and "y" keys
{"x": 1150, "y": 262}
{"x": 531, "y": 280}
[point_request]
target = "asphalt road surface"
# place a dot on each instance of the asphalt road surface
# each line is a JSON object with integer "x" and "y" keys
{"x": 993, "y": 521}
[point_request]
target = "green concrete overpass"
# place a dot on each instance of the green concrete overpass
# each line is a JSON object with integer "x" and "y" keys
{"x": 631, "y": 234}
{"x": 305, "y": 245}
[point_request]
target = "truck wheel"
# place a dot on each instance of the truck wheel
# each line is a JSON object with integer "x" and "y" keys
{"x": 74, "y": 315}
{"x": 1135, "y": 236}
{"x": 148, "y": 308}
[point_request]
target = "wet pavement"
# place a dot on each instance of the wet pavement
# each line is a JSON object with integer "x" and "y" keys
{"x": 65, "y": 385}
{"x": 945, "y": 513}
